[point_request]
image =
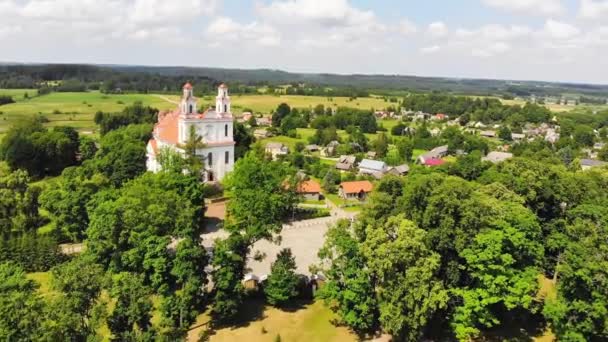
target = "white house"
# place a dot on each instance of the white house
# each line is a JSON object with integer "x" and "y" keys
{"x": 372, "y": 167}
{"x": 214, "y": 126}
{"x": 276, "y": 149}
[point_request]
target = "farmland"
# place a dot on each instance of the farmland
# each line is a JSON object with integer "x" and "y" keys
{"x": 78, "y": 109}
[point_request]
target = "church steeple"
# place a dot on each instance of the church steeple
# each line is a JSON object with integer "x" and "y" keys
{"x": 188, "y": 103}
{"x": 222, "y": 101}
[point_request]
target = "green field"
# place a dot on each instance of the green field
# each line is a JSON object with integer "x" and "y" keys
{"x": 18, "y": 94}
{"x": 73, "y": 109}
{"x": 266, "y": 103}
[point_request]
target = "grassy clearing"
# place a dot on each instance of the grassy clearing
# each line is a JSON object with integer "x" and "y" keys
{"x": 44, "y": 281}
{"x": 18, "y": 94}
{"x": 74, "y": 109}
{"x": 266, "y": 103}
{"x": 310, "y": 322}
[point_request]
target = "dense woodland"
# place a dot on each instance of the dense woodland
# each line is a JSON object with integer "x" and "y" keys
{"x": 449, "y": 253}
{"x": 112, "y": 78}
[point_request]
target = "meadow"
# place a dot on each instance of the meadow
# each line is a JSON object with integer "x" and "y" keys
{"x": 72, "y": 109}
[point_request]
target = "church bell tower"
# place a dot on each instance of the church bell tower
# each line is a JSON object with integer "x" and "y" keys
{"x": 222, "y": 101}
{"x": 188, "y": 103}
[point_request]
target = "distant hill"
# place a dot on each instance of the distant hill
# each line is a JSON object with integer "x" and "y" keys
{"x": 278, "y": 77}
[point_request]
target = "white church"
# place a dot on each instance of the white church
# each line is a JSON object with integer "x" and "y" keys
{"x": 214, "y": 126}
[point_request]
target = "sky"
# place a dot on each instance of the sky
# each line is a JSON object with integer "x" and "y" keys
{"x": 548, "y": 40}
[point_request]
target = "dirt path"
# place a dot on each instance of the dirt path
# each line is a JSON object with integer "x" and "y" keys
{"x": 167, "y": 99}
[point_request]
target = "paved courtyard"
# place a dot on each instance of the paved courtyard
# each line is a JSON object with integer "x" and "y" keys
{"x": 305, "y": 238}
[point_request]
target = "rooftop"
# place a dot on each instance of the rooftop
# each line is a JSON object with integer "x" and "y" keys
{"x": 356, "y": 187}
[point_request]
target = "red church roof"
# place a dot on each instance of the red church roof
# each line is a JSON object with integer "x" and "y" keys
{"x": 223, "y": 85}
{"x": 188, "y": 86}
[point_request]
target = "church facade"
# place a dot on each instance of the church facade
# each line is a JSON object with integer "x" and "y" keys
{"x": 214, "y": 126}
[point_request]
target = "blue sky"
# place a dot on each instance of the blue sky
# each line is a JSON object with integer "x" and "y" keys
{"x": 555, "y": 40}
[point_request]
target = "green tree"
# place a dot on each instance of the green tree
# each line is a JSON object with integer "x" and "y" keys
{"x": 349, "y": 290}
{"x": 584, "y": 135}
{"x": 283, "y": 281}
{"x": 79, "y": 284}
{"x": 67, "y": 202}
{"x": 381, "y": 145}
{"x": 407, "y": 289}
{"x": 262, "y": 182}
{"x": 229, "y": 259}
{"x": 406, "y": 149}
{"x": 243, "y": 139}
{"x": 280, "y": 113}
{"x": 130, "y": 319}
{"x": 21, "y": 311}
{"x": 504, "y": 133}
{"x": 194, "y": 163}
{"x": 87, "y": 148}
{"x": 579, "y": 313}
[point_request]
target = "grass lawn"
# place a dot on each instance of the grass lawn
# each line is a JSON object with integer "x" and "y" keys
{"x": 266, "y": 103}
{"x": 74, "y": 109}
{"x": 310, "y": 322}
{"x": 417, "y": 152}
{"x": 44, "y": 280}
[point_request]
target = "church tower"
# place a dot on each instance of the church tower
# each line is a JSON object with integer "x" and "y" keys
{"x": 222, "y": 101}
{"x": 188, "y": 103}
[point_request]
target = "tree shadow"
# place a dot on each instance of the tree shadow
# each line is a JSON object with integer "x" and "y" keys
{"x": 517, "y": 326}
{"x": 213, "y": 224}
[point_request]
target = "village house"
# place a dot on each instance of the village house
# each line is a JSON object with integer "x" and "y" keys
{"x": 400, "y": 170}
{"x": 518, "y": 136}
{"x": 587, "y": 164}
{"x": 355, "y": 190}
{"x": 346, "y": 163}
{"x": 497, "y": 157}
{"x": 488, "y": 134}
{"x": 312, "y": 148}
{"x": 261, "y": 133}
{"x": 276, "y": 149}
{"x": 331, "y": 149}
{"x": 376, "y": 168}
{"x": 551, "y": 136}
{"x": 214, "y": 126}
{"x": 263, "y": 121}
{"x": 434, "y": 154}
{"x": 435, "y": 131}
{"x": 310, "y": 190}
{"x": 439, "y": 117}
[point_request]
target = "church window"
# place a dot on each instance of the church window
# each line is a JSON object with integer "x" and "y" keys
{"x": 210, "y": 159}
{"x": 226, "y": 130}
{"x": 225, "y": 108}
{"x": 227, "y": 157}
{"x": 190, "y": 109}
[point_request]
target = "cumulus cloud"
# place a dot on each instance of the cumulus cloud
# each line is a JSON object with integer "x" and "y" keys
{"x": 530, "y": 7}
{"x": 437, "y": 29}
{"x": 157, "y": 11}
{"x": 226, "y": 29}
{"x": 559, "y": 30}
{"x": 406, "y": 27}
{"x": 593, "y": 9}
{"x": 430, "y": 49}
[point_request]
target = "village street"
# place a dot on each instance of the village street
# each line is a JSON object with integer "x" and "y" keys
{"x": 303, "y": 237}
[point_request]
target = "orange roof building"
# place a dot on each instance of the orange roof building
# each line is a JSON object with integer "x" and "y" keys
{"x": 309, "y": 187}
{"x": 214, "y": 126}
{"x": 355, "y": 190}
